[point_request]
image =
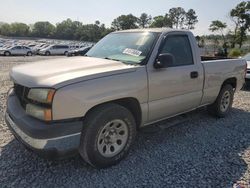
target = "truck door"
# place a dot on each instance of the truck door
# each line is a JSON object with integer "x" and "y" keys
{"x": 177, "y": 88}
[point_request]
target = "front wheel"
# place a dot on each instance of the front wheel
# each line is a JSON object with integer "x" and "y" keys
{"x": 7, "y": 53}
{"x": 223, "y": 104}
{"x": 108, "y": 133}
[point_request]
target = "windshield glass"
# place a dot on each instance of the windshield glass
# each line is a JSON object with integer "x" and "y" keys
{"x": 131, "y": 47}
{"x": 247, "y": 57}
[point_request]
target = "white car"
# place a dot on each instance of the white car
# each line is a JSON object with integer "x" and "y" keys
{"x": 16, "y": 50}
{"x": 55, "y": 50}
{"x": 247, "y": 57}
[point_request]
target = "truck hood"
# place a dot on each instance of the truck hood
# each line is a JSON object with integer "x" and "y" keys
{"x": 63, "y": 71}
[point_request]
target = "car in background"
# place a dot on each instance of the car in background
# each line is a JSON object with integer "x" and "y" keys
{"x": 38, "y": 47}
{"x": 81, "y": 51}
{"x": 16, "y": 50}
{"x": 247, "y": 58}
{"x": 55, "y": 50}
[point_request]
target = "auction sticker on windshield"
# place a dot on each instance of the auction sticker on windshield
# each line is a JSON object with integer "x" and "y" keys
{"x": 132, "y": 52}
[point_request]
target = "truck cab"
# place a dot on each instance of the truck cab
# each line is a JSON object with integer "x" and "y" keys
{"x": 95, "y": 104}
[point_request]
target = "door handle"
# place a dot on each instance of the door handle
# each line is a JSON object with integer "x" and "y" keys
{"x": 194, "y": 74}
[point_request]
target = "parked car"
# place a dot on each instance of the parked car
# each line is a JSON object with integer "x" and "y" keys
{"x": 247, "y": 58}
{"x": 55, "y": 50}
{"x": 94, "y": 105}
{"x": 80, "y": 51}
{"x": 16, "y": 50}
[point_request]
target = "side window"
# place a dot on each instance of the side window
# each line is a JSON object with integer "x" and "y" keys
{"x": 179, "y": 47}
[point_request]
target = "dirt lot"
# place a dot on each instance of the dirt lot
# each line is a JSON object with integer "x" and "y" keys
{"x": 200, "y": 151}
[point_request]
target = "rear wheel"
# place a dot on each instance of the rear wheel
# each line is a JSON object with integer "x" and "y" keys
{"x": 29, "y": 54}
{"x": 66, "y": 53}
{"x": 223, "y": 104}
{"x": 7, "y": 53}
{"x": 109, "y": 131}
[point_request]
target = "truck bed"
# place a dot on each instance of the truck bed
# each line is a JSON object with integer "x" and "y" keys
{"x": 216, "y": 72}
{"x": 209, "y": 58}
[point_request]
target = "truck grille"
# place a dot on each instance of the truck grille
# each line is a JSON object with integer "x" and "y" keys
{"x": 22, "y": 94}
{"x": 248, "y": 71}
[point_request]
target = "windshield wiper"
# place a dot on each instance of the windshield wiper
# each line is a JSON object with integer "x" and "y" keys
{"x": 127, "y": 63}
{"x": 111, "y": 59}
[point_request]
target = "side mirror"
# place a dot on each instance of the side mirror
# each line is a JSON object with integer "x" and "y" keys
{"x": 164, "y": 60}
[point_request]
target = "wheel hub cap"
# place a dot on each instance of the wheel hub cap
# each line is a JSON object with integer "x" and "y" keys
{"x": 112, "y": 138}
{"x": 225, "y": 101}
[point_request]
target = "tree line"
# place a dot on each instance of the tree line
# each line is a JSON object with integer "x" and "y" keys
{"x": 240, "y": 17}
{"x": 75, "y": 30}
{"x": 176, "y": 17}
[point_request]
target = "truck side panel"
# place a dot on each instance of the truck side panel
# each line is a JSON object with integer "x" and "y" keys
{"x": 216, "y": 72}
{"x": 75, "y": 100}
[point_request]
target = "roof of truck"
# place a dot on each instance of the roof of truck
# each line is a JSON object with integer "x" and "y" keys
{"x": 156, "y": 30}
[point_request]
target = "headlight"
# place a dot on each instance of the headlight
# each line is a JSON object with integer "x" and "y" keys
{"x": 39, "y": 112}
{"x": 42, "y": 95}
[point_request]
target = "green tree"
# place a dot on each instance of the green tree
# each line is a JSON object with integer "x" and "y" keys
{"x": 19, "y": 30}
{"x": 218, "y": 26}
{"x": 125, "y": 22}
{"x": 5, "y": 29}
{"x": 144, "y": 20}
{"x": 92, "y": 32}
{"x": 43, "y": 29}
{"x": 240, "y": 15}
{"x": 177, "y": 16}
{"x": 67, "y": 29}
{"x": 161, "y": 21}
{"x": 191, "y": 19}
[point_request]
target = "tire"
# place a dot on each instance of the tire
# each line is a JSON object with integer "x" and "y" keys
{"x": 29, "y": 53}
{"x": 47, "y": 53}
{"x": 108, "y": 133}
{"x": 66, "y": 53}
{"x": 223, "y": 104}
{"x": 7, "y": 53}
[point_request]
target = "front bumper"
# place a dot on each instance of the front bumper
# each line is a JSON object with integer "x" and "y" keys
{"x": 53, "y": 140}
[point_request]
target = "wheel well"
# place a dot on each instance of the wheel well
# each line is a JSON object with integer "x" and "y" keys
{"x": 230, "y": 81}
{"x": 131, "y": 104}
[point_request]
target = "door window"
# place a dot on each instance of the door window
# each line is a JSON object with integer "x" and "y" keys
{"x": 179, "y": 47}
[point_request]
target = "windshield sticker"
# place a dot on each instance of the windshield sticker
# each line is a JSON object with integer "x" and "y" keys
{"x": 132, "y": 52}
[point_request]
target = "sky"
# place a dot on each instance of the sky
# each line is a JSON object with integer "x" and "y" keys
{"x": 88, "y": 11}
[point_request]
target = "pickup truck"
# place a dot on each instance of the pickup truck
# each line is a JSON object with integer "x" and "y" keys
{"x": 94, "y": 105}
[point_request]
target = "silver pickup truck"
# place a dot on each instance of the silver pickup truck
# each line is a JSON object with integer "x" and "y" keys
{"x": 94, "y": 105}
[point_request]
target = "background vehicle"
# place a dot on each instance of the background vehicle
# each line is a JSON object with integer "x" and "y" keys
{"x": 55, "y": 50}
{"x": 81, "y": 51}
{"x": 16, "y": 50}
{"x": 247, "y": 58}
{"x": 129, "y": 79}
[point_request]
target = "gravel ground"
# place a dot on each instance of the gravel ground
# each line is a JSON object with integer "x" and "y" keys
{"x": 199, "y": 151}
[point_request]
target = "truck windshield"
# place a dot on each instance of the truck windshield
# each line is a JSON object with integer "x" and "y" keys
{"x": 130, "y": 48}
{"x": 247, "y": 57}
